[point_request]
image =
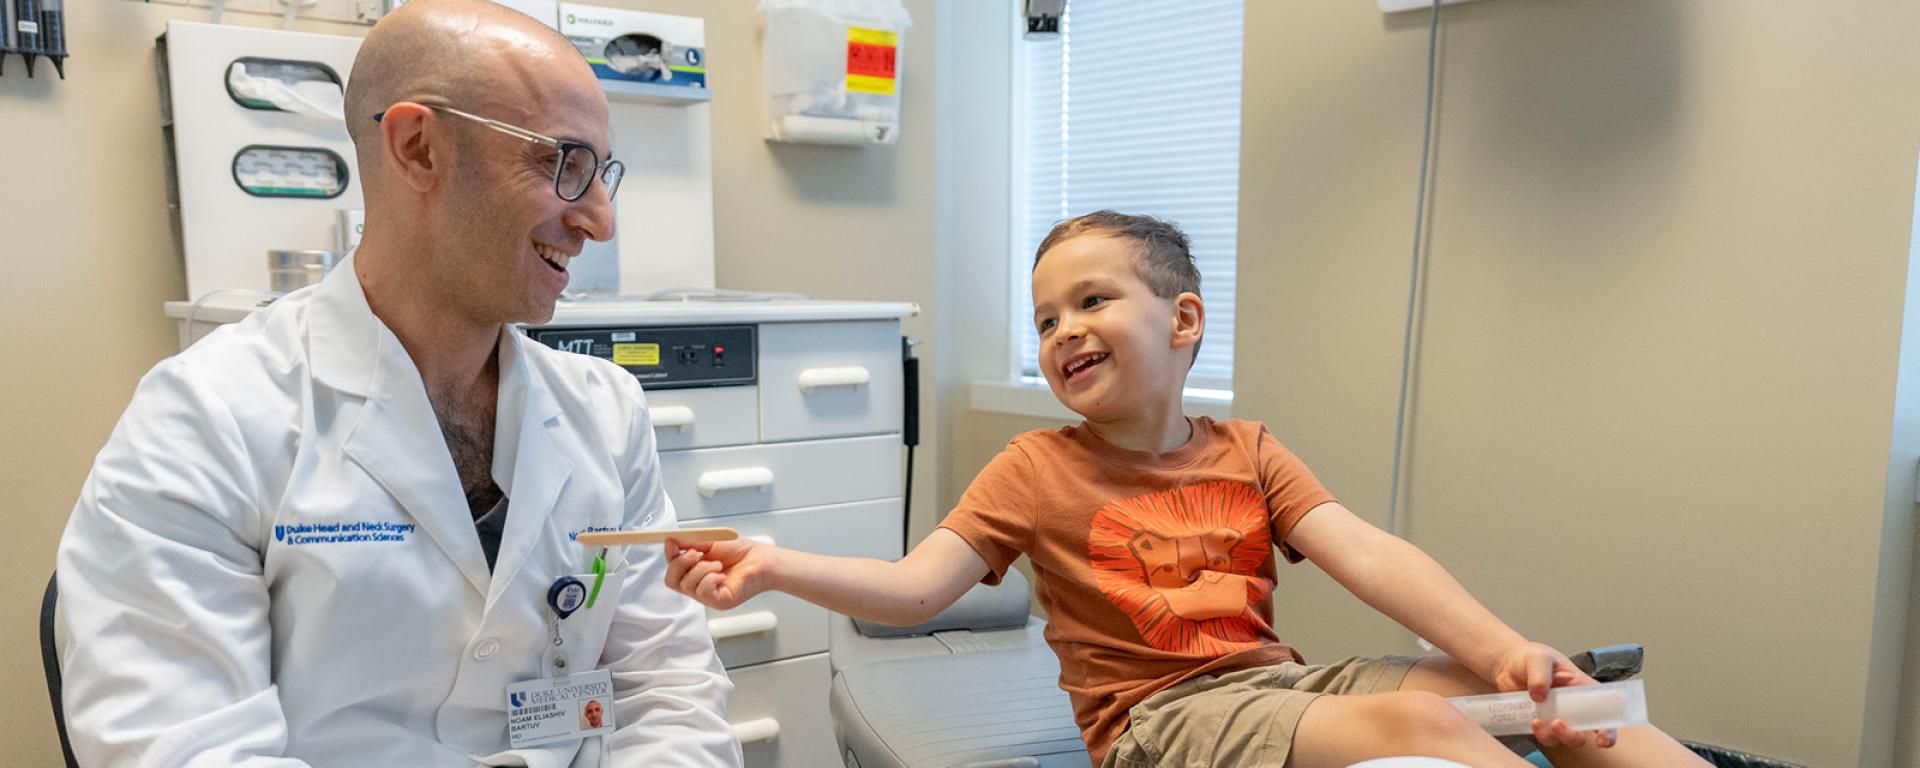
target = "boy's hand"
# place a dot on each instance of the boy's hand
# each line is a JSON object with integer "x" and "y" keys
{"x": 721, "y": 574}
{"x": 1535, "y": 668}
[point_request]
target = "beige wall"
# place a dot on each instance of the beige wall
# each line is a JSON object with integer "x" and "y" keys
{"x": 1654, "y": 400}
{"x": 84, "y": 224}
{"x": 83, "y": 227}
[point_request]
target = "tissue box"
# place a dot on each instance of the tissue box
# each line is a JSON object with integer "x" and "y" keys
{"x": 638, "y": 55}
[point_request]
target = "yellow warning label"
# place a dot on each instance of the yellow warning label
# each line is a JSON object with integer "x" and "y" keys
{"x": 873, "y": 36}
{"x": 870, "y": 84}
{"x": 636, "y": 354}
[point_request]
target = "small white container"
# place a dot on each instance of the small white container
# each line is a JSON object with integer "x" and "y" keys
{"x": 1583, "y": 707}
{"x": 293, "y": 270}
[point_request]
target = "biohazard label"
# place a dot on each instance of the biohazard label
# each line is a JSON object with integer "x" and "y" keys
{"x": 870, "y": 60}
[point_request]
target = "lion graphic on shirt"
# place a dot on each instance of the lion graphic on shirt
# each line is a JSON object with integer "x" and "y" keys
{"x": 1184, "y": 564}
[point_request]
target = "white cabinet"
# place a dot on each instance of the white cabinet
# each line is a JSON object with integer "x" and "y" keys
{"x": 829, "y": 379}
{"x": 809, "y": 457}
{"x": 779, "y": 711}
{"x": 704, "y": 418}
{"x": 718, "y": 482}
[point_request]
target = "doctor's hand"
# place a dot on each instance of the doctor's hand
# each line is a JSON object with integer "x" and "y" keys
{"x": 1534, "y": 668}
{"x": 721, "y": 574}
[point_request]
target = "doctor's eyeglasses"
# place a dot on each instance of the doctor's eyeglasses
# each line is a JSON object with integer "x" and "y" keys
{"x": 574, "y": 168}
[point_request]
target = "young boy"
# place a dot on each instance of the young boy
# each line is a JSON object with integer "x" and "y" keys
{"x": 1152, "y": 535}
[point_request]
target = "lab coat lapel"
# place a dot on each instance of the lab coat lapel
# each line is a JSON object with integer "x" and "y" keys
{"x": 529, "y": 462}
{"x": 395, "y": 438}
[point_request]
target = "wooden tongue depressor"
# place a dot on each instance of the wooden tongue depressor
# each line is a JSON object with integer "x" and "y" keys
{"x": 682, "y": 535}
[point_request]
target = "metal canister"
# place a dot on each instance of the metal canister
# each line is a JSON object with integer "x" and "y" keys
{"x": 293, "y": 270}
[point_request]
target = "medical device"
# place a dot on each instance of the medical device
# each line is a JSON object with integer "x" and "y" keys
{"x": 259, "y": 159}
{"x": 34, "y": 28}
{"x": 1583, "y": 707}
{"x": 831, "y": 69}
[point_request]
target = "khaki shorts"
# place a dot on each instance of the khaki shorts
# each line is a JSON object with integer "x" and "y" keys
{"x": 1242, "y": 718}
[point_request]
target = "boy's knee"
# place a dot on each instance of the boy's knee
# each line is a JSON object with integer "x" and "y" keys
{"x": 1420, "y": 717}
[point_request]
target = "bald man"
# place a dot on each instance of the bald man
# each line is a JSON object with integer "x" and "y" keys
{"x": 341, "y": 533}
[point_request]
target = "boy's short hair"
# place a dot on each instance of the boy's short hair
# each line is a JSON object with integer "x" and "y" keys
{"x": 1162, "y": 257}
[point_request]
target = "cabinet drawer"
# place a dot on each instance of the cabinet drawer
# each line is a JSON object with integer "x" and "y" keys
{"x": 776, "y": 625}
{"x": 829, "y": 379}
{"x": 716, "y": 482}
{"x": 779, "y": 711}
{"x": 699, "y": 418}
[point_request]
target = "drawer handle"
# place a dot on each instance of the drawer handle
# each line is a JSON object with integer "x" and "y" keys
{"x": 734, "y": 479}
{"x": 677, "y": 416}
{"x": 729, "y": 627}
{"x": 763, "y": 729}
{"x": 851, "y": 376}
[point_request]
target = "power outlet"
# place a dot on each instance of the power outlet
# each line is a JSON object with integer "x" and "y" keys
{"x": 1396, "y": 6}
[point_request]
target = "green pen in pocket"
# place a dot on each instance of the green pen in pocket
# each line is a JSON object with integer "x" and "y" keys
{"x": 599, "y": 576}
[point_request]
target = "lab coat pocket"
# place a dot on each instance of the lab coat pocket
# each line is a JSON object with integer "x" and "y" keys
{"x": 587, "y": 629}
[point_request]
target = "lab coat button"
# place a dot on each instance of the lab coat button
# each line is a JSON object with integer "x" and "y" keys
{"x": 486, "y": 649}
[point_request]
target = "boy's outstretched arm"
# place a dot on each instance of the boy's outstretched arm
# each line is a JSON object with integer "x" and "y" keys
{"x": 724, "y": 574}
{"x": 1399, "y": 580}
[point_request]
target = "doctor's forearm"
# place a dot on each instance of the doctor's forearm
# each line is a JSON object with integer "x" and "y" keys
{"x": 890, "y": 593}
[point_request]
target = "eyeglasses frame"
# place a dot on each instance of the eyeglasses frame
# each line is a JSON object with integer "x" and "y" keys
{"x": 560, "y": 146}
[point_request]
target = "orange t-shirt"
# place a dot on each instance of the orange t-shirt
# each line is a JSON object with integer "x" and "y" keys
{"x": 1152, "y": 569}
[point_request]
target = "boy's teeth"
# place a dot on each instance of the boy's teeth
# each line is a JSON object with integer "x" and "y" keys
{"x": 1084, "y": 364}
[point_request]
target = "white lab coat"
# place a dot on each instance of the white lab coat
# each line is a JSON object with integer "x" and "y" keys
{"x": 241, "y": 586}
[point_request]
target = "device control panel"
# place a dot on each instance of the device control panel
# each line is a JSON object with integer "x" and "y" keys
{"x": 666, "y": 357}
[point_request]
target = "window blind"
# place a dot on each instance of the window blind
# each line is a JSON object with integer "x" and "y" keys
{"x": 1134, "y": 107}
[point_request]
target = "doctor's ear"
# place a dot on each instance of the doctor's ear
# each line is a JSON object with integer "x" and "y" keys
{"x": 411, "y": 150}
{"x": 1189, "y": 320}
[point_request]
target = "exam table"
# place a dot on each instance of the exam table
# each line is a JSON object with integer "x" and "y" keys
{"x": 977, "y": 687}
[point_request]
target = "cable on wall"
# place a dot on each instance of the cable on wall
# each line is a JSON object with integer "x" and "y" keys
{"x": 1413, "y": 278}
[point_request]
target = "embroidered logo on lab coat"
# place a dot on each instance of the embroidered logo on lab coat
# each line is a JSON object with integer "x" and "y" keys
{"x": 357, "y": 532}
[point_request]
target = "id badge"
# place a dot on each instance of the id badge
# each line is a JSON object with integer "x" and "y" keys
{"x": 550, "y": 709}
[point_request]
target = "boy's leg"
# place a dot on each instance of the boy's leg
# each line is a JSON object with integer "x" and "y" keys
{"x": 1340, "y": 730}
{"x": 1639, "y": 746}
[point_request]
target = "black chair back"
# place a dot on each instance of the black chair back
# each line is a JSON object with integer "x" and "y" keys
{"x": 50, "y": 657}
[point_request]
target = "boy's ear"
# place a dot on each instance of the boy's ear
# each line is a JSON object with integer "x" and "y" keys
{"x": 1189, "y": 320}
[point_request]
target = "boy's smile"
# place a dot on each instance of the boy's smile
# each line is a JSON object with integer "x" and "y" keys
{"x": 1079, "y": 366}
